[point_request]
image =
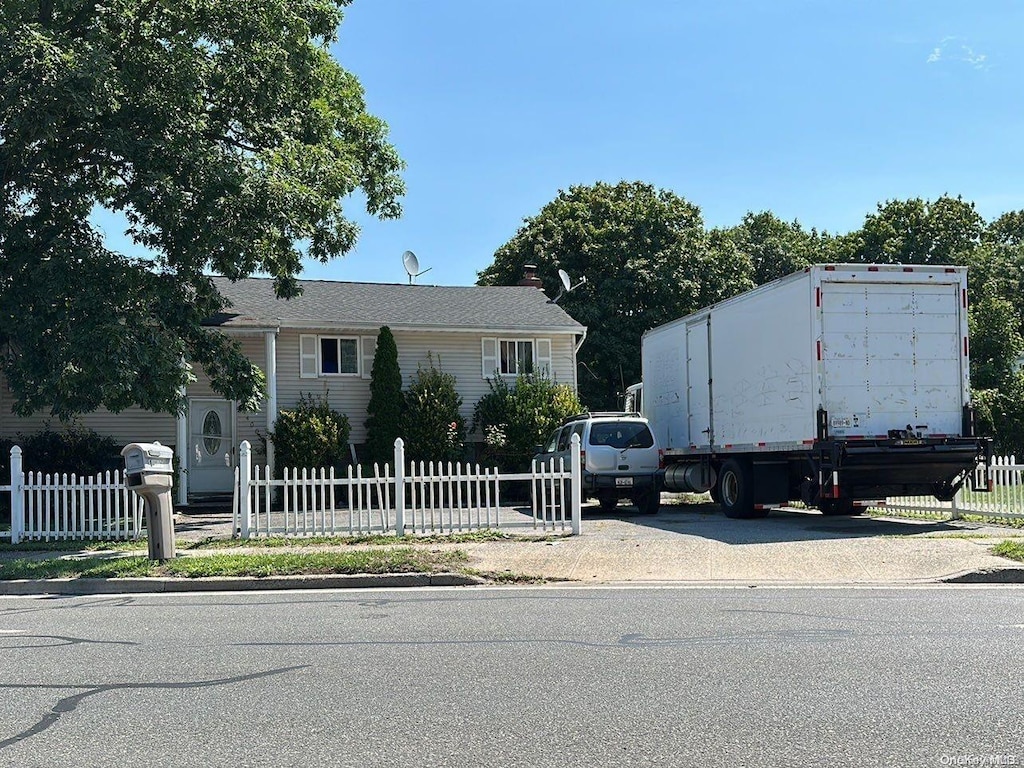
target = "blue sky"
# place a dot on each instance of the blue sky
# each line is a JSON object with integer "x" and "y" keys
{"x": 814, "y": 110}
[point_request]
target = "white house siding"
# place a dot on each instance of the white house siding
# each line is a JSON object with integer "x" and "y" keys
{"x": 458, "y": 353}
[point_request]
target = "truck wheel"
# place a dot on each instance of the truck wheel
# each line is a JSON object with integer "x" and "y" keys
{"x": 837, "y": 507}
{"x": 736, "y": 490}
{"x": 648, "y": 502}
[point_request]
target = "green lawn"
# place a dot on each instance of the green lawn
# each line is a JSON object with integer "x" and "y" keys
{"x": 263, "y": 564}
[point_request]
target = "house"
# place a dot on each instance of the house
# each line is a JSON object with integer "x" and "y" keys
{"x": 323, "y": 343}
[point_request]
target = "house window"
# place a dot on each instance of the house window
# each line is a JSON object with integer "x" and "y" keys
{"x": 329, "y": 355}
{"x": 516, "y": 357}
{"x": 339, "y": 356}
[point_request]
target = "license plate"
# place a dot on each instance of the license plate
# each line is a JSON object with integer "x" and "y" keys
{"x": 624, "y": 481}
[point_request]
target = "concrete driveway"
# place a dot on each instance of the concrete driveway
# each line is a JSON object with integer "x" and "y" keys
{"x": 699, "y": 544}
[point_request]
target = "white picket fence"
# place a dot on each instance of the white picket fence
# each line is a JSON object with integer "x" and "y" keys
{"x": 1005, "y": 500}
{"x": 63, "y": 506}
{"x": 413, "y": 498}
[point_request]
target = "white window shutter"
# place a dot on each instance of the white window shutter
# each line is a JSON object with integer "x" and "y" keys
{"x": 369, "y": 345}
{"x": 307, "y": 357}
{"x": 542, "y": 348}
{"x": 489, "y": 355}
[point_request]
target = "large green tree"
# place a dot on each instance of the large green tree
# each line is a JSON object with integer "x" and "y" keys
{"x": 775, "y": 247}
{"x": 915, "y": 231}
{"x": 226, "y": 135}
{"x": 647, "y": 259}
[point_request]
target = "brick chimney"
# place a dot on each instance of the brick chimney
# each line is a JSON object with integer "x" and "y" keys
{"x": 530, "y": 276}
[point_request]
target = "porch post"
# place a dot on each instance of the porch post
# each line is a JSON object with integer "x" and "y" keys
{"x": 181, "y": 449}
{"x": 270, "y": 339}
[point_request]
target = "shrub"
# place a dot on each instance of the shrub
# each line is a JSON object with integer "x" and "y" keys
{"x": 79, "y": 451}
{"x": 384, "y": 412}
{"x": 310, "y": 435}
{"x": 431, "y": 424}
{"x": 515, "y": 419}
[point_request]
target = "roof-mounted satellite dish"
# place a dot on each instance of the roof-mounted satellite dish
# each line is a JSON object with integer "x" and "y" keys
{"x": 566, "y": 285}
{"x": 412, "y": 265}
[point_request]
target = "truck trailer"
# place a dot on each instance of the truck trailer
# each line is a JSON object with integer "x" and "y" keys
{"x": 834, "y": 386}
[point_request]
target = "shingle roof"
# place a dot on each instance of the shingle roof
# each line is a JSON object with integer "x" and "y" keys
{"x": 327, "y": 304}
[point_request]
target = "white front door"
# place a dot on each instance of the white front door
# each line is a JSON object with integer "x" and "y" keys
{"x": 211, "y": 436}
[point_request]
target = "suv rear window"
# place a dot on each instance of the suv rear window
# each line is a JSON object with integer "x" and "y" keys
{"x": 621, "y": 434}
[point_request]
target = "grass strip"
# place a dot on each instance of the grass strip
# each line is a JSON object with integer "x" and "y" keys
{"x": 259, "y": 565}
{"x": 277, "y": 542}
{"x": 1014, "y": 550}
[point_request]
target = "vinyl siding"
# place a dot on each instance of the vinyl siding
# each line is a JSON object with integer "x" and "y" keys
{"x": 456, "y": 353}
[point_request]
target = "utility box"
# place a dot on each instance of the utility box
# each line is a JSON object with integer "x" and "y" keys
{"x": 149, "y": 471}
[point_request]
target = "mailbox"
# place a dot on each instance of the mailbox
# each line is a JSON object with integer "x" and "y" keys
{"x": 149, "y": 471}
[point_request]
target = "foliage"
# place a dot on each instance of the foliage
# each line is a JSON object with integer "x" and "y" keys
{"x": 226, "y": 136}
{"x": 914, "y": 231}
{"x": 1000, "y": 414}
{"x": 433, "y": 428}
{"x": 647, "y": 259}
{"x": 515, "y": 419}
{"x": 1009, "y": 548}
{"x": 996, "y": 341}
{"x": 384, "y": 421}
{"x": 310, "y": 435}
{"x": 775, "y": 248}
{"x": 79, "y": 451}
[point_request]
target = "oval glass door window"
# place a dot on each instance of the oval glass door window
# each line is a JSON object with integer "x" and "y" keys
{"x": 212, "y": 431}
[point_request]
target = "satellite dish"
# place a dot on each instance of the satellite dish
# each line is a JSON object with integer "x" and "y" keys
{"x": 412, "y": 265}
{"x": 566, "y": 285}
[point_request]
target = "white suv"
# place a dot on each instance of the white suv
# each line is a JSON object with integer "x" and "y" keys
{"x": 619, "y": 456}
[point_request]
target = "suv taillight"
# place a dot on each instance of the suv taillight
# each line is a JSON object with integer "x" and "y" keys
{"x": 661, "y": 458}
{"x": 583, "y": 458}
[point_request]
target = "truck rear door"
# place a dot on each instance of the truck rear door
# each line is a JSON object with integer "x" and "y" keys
{"x": 891, "y": 356}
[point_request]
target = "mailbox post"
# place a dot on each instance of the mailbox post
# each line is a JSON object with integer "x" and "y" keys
{"x": 149, "y": 471}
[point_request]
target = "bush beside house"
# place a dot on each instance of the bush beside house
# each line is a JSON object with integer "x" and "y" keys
{"x": 310, "y": 435}
{"x": 432, "y": 427}
{"x": 514, "y": 419}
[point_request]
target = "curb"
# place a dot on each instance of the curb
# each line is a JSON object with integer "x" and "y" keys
{"x": 1010, "y": 575}
{"x": 233, "y": 583}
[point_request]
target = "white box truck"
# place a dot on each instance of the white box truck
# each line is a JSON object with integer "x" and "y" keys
{"x": 834, "y": 385}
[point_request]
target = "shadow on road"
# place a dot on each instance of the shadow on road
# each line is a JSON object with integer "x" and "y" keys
{"x": 707, "y": 521}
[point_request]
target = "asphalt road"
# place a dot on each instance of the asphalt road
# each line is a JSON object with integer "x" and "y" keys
{"x": 645, "y": 676}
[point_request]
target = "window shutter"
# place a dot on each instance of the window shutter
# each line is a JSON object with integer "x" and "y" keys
{"x": 489, "y": 354}
{"x": 543, "y": 364}
{"x": 307, "y": 357}
{"x": 369, "y": 345}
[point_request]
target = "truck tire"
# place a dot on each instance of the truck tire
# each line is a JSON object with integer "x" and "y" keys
{"x": 736, "y": 490}
{"x": 837, "y": 507}
{"x": 648, "y": 502}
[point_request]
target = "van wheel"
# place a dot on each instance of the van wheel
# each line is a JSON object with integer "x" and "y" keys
{"x": 736, "y": 490}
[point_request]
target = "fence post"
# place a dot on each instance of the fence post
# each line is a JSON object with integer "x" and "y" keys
{"x": 399, "y": 487}
{"x": 244, "y": 476}
{"x": 575, "y": 484}
{"x": 17, "y": 496}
